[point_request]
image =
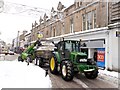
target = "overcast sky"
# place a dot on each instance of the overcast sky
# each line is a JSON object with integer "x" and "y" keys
{"x": 10, "y": 24}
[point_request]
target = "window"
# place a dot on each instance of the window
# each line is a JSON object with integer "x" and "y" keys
{"x": 94, "y": 19}
{"x": 72, "y": 46}
{"x": 71, "y": 25}
{"x": 46, "y": 32}
{"x": 80, "y": 3}
{"x": 84, "y": 22}
{"x": 77, "y": 4}
{"x": 89, "y": 20}
{"x": 63, "y": 28}
{"x": 68, "y": 46}
{"x": 50, "y": 30}
{"x": 54, "y": 32}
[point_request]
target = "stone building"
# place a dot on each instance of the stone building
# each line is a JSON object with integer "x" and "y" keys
{"x": 94, "y": 22}
{"x": 79, "y": 16}
{"x": 22, "y": 39}
{"x": 27, "y": 39}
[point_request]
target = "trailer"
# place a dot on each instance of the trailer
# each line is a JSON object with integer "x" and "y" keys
{"x": 44, "y": 52}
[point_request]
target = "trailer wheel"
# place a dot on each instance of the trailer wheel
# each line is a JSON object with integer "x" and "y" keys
{"x": 53, "y": 65}
{"x": 67, "y": 70}
{"x": 91, "y": 75}
{"x": 40, "y": 62}
{"x": 35, "y": 61}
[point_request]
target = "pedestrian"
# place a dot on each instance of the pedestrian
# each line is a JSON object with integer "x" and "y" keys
{"x": 95, "y": 56}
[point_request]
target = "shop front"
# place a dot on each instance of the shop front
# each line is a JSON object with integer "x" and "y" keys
{"x": 95, "y": 50}
{"x": 102, "y": 44}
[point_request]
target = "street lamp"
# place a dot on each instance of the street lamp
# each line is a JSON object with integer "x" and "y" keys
{"x": 17, "y": 43}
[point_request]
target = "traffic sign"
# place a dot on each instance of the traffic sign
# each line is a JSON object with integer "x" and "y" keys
{"x": 40, "y": 35}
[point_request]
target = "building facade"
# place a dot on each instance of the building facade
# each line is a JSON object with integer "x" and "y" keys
{"x": 93, "y": 22}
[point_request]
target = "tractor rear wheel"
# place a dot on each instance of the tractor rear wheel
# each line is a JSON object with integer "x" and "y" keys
{"x": 67, "y": 70}
{"x": 53, "y": 65}
{"x": 91, "y": 75}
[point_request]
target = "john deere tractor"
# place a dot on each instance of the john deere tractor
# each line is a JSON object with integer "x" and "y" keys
{"x": 67, "y": 60}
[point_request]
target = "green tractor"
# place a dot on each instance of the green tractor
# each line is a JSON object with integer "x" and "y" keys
{"x": 67, "y": 60}
{"x": 27, "y": 54}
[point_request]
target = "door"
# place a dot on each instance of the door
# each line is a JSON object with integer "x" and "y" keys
{"x": 61, "y": 50}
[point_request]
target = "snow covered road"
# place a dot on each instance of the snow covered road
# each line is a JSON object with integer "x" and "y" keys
{"x": 14, "y": 74}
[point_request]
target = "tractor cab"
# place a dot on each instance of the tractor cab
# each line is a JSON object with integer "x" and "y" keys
{"x": 71, "y": 46}
{"x": 70, "y": 49}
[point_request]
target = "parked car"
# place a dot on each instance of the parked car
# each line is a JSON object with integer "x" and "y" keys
{"x": 10, "y": 52}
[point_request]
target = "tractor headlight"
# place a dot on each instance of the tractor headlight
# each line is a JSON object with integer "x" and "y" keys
{"x": 83, "y": 60}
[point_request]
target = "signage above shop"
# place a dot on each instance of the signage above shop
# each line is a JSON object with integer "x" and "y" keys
{"x": 117, "y": 33}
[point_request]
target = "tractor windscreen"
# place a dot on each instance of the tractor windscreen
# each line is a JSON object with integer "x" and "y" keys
{"x": 72, "y": 46}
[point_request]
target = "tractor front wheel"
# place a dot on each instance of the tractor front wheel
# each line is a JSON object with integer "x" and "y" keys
{"x": 53, "y": 65}
{"x": 20, "y": 59}
{"x": 92, "y": 74}
{"x": 67, "y": 70}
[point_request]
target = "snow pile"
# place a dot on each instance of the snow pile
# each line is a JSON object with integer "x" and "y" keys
{"x": 110, "y": 76}
{"x": 14, "y": 74}
{"x": 109, "y": 73}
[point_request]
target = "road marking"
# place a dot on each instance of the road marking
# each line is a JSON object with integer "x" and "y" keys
{"x": 80, "y": 82}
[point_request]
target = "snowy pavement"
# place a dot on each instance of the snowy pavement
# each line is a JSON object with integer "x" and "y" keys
{"x": 110, "y": 76}
{"x": 14, "y": 74}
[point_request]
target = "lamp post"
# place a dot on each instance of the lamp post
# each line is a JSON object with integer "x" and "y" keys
{"x": 17, "y": 46}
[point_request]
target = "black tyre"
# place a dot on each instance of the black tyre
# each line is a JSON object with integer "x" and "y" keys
{"x": 20, "y": 59}
{"x": 35, "y": 61}
{"x": 91, "y": 75}
{"x": 67, "y": 70}
{"x": 53, "y": 65}
{"x": 29, "y": 59}
{"x": 40, "y": 62}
